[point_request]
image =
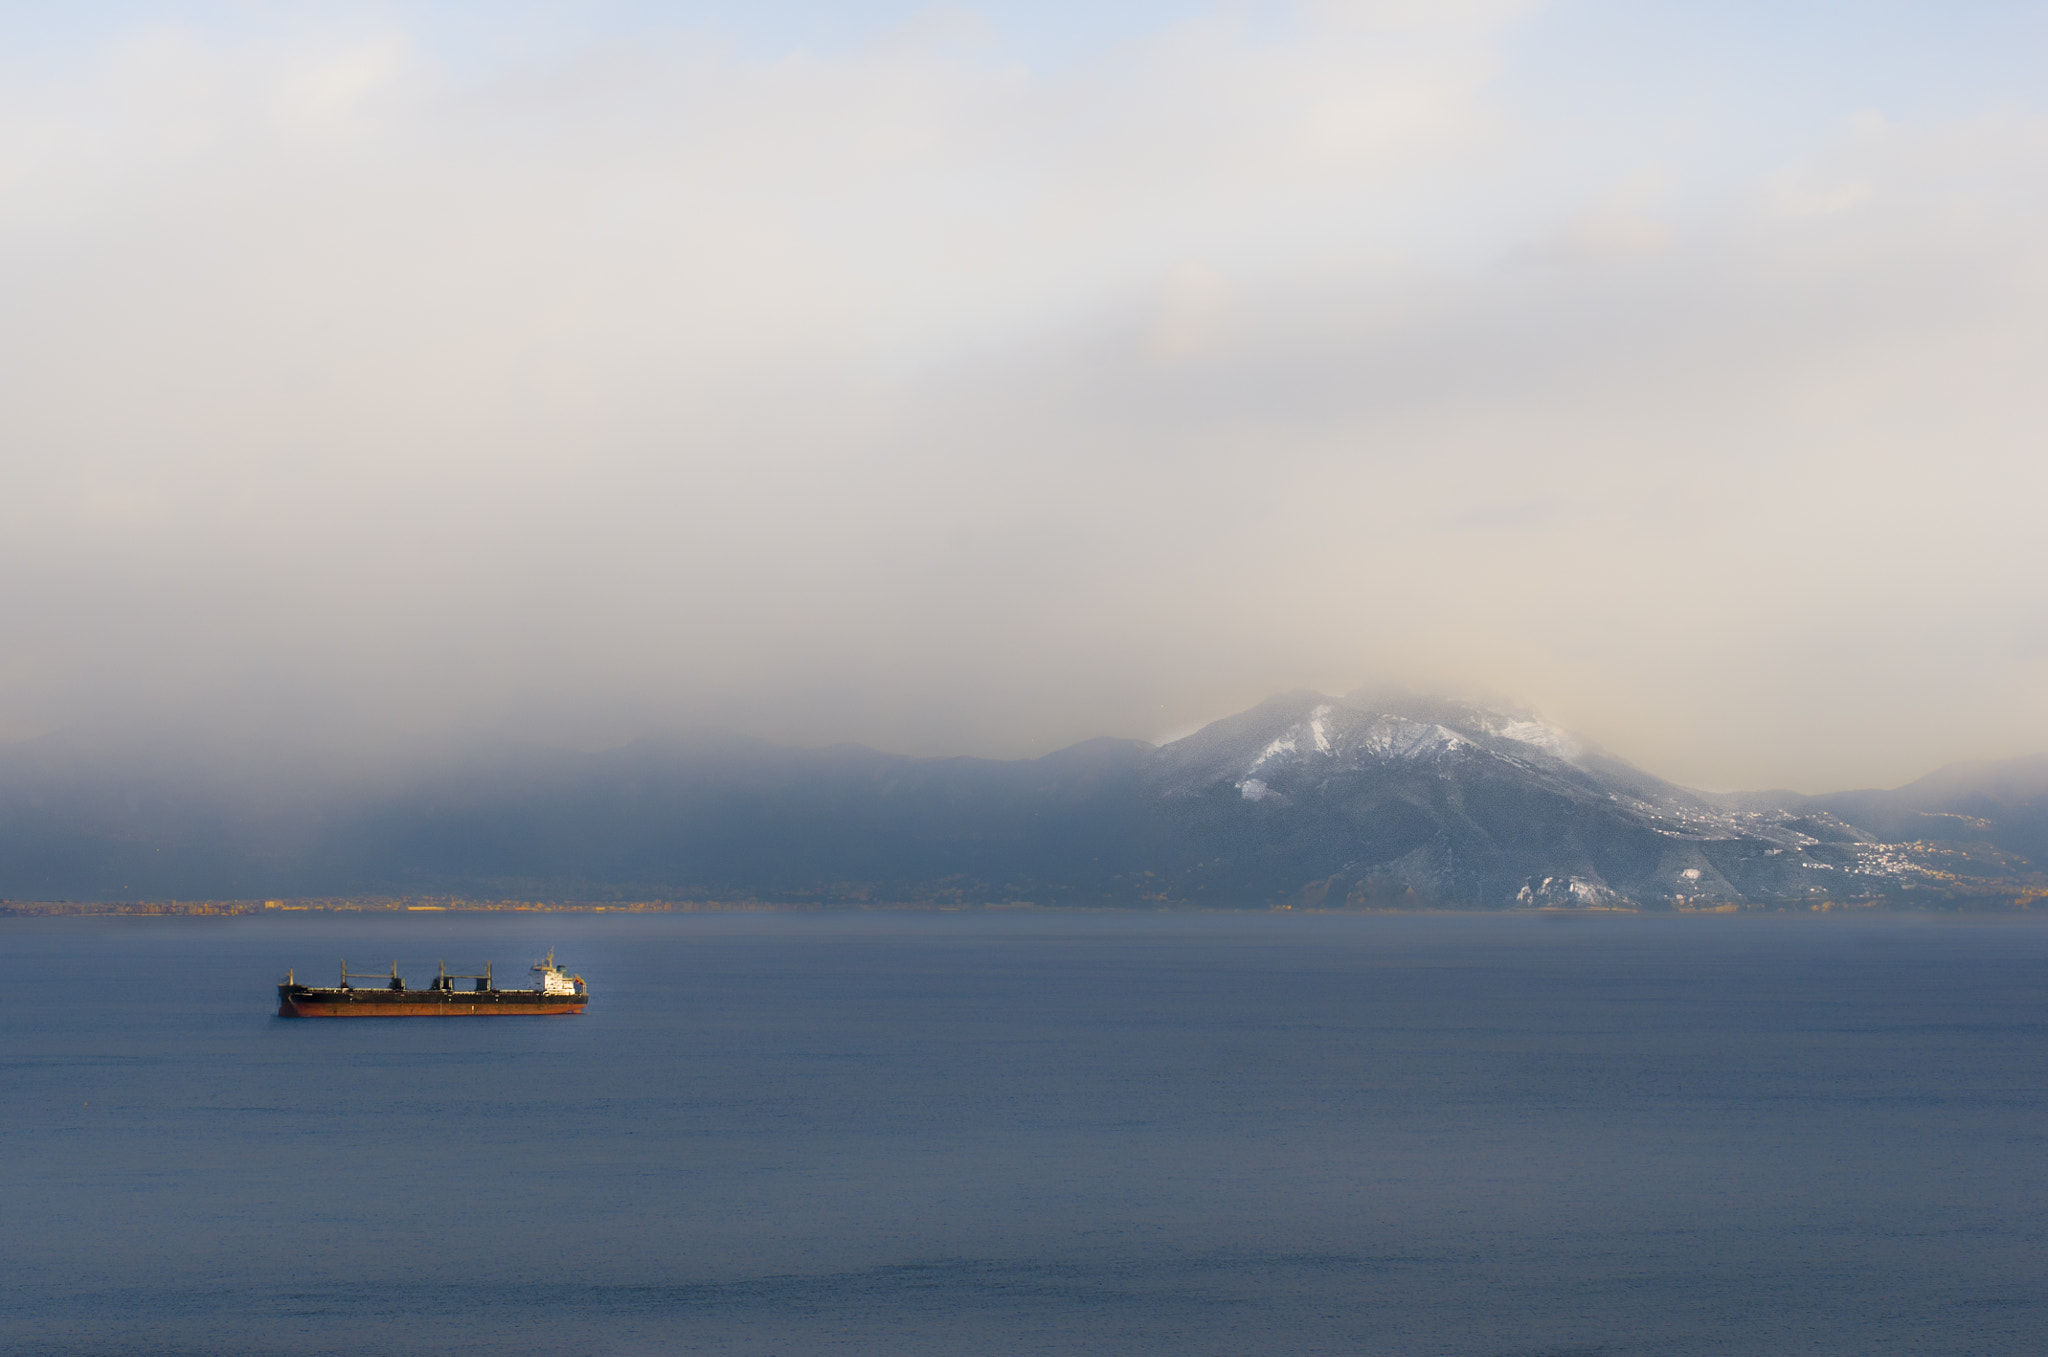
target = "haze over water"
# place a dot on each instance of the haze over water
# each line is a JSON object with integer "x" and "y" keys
{"x": 1035, "y": 1133}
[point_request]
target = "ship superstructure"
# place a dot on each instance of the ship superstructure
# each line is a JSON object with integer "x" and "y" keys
{"x": 553, "y": 992}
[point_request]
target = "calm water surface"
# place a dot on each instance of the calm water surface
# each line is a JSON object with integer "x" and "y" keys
{"x": 1031, "y": 1133}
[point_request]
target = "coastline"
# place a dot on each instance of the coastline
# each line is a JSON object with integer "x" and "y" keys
{"x": 2019, "y": 904}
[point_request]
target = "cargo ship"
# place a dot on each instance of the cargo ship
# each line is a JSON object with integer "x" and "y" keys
{"x": 553, "y": 992}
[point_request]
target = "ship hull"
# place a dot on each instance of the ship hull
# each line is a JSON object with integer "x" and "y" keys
{"x": 301, "y": 1001}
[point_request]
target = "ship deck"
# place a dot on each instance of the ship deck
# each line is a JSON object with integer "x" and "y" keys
{"x": 306, "y": 1001}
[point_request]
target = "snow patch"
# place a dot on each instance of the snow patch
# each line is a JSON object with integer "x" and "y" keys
{"x": 1392, "y": 738}
{"x": 1286, "y": 744}
{"x": 1315, "y": 727}
{"x": 1536, "y": 734}
{"x": 1350, "y": 737}
{"x": 1252, "y": 789}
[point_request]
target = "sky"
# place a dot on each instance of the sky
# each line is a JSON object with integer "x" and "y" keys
{"x": 982, "y": 378}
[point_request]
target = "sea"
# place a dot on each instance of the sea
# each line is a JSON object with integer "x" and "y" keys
{"x": 1033, "y": 1132}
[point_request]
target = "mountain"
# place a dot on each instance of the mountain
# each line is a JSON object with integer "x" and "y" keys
{"x": 2004, "y": 804}
{"x": 1360, "y": 801}
{"x": 1366, "y": 801}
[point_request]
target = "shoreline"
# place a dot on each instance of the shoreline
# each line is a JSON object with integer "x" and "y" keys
{"x": 215, "y": 909}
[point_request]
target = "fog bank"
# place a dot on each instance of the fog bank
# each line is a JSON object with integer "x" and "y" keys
{"x": 374, "y": 380}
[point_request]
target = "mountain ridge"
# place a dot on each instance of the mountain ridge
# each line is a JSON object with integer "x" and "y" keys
{"x": 1362, "y": 801}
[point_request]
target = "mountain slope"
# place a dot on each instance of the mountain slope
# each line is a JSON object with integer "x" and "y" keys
{"x": 1365, "y": 801}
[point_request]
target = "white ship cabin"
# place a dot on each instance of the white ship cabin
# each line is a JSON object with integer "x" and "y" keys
{"x": 548, "y": 978}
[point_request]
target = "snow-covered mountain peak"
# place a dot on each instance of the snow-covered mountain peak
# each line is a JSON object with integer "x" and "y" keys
{"x": 1481, "y": 723}
{"x": 1342, "y": 738}
{"x": 1449, "y": 799}
{"x": 1308, "y": 734}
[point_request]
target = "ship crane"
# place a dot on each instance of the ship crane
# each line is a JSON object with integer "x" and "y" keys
{"x": 392, "y": 981}
{"x": 447, "y": 978}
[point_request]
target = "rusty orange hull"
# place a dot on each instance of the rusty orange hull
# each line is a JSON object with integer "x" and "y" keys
{"x": 302, "y": 1001}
